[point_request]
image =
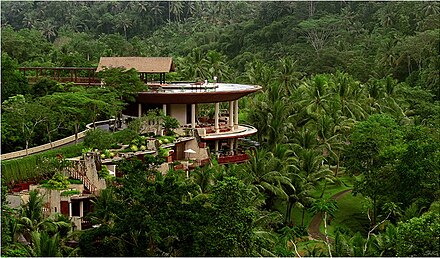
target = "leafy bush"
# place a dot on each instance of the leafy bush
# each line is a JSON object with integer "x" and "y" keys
{"x": 98, "y": 139}
{"x": 170, "y": 123}
{"x": 58, "y": 182}
{"x": 70, "y": 192}
{"x": 73, "y": 181}
{"x": 104, "y": 172}
{"x": 44, "y": 181}
{"x": 125, "y": 136}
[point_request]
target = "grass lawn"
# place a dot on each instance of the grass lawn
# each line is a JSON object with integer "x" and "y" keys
{"x": 350, "y": 216}
{"x": 330, "y": 190}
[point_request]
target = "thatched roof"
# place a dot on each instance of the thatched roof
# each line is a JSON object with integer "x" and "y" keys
{"x": 141, "y": 64}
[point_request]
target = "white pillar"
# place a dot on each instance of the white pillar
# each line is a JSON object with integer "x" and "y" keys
{"x": 81, "y": 207}
{"x": 139, "y": 110}
{"x": 70, "y": 209}
{"x": 231, "y": 146}
{"x": 236, "y": 115}
{"x": 216, "y": 127}
{"x": 193, "y": 115}
{"x": 216, "y": 147}
{"x": 236, "y": 144}
{"x": 231, "y": 115}
{"x": 164, "y": 108}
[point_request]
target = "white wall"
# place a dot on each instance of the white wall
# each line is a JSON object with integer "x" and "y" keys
{"x": 178, "y": 111}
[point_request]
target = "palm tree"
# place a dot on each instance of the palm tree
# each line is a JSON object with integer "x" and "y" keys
{"x": 175, "y": 8}
{"x": 44, "y": 245}
{"x": 316, "y": 95}
{"x": 103, "y": 207}
{"x": 217, "y": 65}
{"x": 194, "y": 65}
{"x": 260, "y": 172}
{"x": 124, "y": 22}
{"x": 349, "y": 93}
{"x": 36, "y": 229}
{"x": 204, "y": 178}
{"x": 288, "y": 75}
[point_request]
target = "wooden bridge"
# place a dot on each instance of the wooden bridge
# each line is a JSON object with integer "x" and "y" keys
{"x": 77, "y": 75}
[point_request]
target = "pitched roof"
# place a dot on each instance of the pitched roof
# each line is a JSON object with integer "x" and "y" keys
{"x": 141, "y": 64}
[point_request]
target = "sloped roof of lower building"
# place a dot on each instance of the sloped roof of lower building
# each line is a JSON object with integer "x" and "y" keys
{"x": 141, "y": 64}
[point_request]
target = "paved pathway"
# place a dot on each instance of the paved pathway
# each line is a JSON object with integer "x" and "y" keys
{"x": 313, "y": 229}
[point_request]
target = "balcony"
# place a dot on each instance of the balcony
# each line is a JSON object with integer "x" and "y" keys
{"x": 237, "y": 158}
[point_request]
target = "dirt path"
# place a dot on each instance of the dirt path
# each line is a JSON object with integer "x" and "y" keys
{"x": 313, "y": 229}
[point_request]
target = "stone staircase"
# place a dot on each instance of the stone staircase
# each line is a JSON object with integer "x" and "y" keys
{"x": 78, "y": 171}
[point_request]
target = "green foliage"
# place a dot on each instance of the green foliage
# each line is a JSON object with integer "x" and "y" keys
{"x": 74, "y": 181}
{"x": 125, "y": 83}
{"x": 37, "y": 165}
{"x": 206, "y": 219}
{"x": 13, "y": 82}
{"x": 419, "y": 236}
{"x": 98, "y": 139}
{"x": 169, "y": 124}
{"x": 104, "y": 173}
{"x": 70, "y": 192}
{"x": 58, "y": 182}
{"x": 45, "y": 86}
{"x": 125, "y": 136}
{"x": 163, "y": 152}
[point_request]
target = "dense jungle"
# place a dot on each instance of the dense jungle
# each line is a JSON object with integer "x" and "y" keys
{"x": 348, "y": 123}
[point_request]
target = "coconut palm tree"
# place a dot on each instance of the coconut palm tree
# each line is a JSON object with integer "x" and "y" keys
{"x": 260, "y": 172}
{"x": 349, "y": 94}
{"x": 288, "y": 74}
{"x": 316, "y": 95}
{"x": 44, "y": 245}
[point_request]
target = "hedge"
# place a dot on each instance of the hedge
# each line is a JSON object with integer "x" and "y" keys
{"x": 23, "y": 169}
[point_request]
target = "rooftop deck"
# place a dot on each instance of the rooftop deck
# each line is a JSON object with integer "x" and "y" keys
{"x": 190, "y": 93}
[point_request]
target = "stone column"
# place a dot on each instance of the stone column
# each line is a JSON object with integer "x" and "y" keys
{"x": 164, "y": 108}
{"x": 231, "y": 146}
{"x": 81, "y": 208}
{"x": 236, "y": 144}
{"x": 216, "y": 147}
{"x": 231, "y": 115}
{"x": 216, "y": 127}
{"x": 193, "y": 115}
{"x": 70, "y": 209}
{"x": 139, "y": 110}
{"x": 236, "y": 115}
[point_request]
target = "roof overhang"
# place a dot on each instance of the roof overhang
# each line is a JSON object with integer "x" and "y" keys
{"x": 141, "y": 64}
{"x": 223, "y": 93}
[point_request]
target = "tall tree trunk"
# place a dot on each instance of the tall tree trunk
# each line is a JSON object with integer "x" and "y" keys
{"x": 326, "y": 235}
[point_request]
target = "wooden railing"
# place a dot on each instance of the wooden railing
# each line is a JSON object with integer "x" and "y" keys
{"x": 78, "y": 172}
{"x": 233, "y": 158}
{"x": 77, "y": 75}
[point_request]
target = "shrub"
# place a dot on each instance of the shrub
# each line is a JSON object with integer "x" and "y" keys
{"x": 98, "y": 139}
{"x": 73, "y": 181}
{"x": 58, "y": 182}
{"x": 31, "y": 167}
{"x": 70, "y": 192}
{"x": 125, "y": 136}
{"x": 104, "y": 172}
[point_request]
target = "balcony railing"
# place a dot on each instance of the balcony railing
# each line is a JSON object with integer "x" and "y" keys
{"x": 237, "y": 158}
